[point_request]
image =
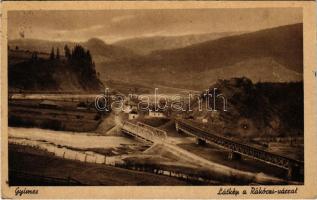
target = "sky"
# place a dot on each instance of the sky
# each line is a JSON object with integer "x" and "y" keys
{"x": 115, "y": 25}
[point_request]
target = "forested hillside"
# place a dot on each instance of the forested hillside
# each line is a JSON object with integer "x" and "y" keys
{"x": 72, "y": 71}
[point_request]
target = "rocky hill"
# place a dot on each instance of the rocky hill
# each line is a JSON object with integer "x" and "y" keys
{"x": 261, "y": 109}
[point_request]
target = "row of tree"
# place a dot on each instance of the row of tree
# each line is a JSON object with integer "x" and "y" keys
{"x": 78, "y": 53}
{"x": 54, "y": 55}
{"x": 78, "y": 59}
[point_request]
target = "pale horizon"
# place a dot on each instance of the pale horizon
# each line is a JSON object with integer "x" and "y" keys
{"x": 112, "y": 25}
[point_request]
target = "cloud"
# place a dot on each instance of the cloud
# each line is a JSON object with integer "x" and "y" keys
{"x": 92, "y": 28}
{"x": 112, "y": 25}
{"x": 122, "y": 18}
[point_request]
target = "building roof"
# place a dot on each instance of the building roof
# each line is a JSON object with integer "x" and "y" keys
{"x": 133, "y": 112}
{"x": 157, "y": 111}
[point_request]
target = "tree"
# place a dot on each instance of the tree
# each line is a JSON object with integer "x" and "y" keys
{"x": 57, "y": 54}
{"x": 52, "y": 55}
{"x": 67, "y": 52}
{"x": 34, "y": 56}
{"x": 89, "y": 58}
{"x": 82, "y": 62}
{"x": 78, "y": 54}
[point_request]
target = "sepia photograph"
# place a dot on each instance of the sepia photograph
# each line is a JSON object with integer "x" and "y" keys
{"x": 156, "y": 97}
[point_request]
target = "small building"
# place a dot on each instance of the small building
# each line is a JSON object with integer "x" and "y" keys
{"x": 49, "y": 104}
{"x": 158, "y": 114}
{"x": 133, "y": 115}
{"x": 128, "y": 107}
{"x": 202, "y": 119}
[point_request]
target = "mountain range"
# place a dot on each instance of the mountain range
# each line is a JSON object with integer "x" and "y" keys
{"x": 146, "y": 45}
{"x": 271, "y": 55}
{"x": 194, "y": 61}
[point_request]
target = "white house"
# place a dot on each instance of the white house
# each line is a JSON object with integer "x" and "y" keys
{"x": 204, "y": 120}
{"x": 156, "y": 114}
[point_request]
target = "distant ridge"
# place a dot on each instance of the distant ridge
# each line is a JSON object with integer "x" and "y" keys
{"x": 199, "y": 65}
{"x": 284, "y": 44}
{"x": 146, "y": 45}
{"x": 101, "y": 51}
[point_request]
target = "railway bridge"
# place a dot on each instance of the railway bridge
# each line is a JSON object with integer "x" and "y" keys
{"x": 144, "y": 132}
{"x": 295, "y": 167}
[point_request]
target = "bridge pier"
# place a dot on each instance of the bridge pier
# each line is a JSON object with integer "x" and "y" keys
{"x": 294, "y": 169}
{"x": 177, "y": 127}
{"x": 200, "y": 141}
{"x": 234, "y": 156}
{"x": 293, "y": 172}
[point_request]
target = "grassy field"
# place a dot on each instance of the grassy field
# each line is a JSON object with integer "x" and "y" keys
{"x": 30, "y": 114}
{"x": 37, "y": 162}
